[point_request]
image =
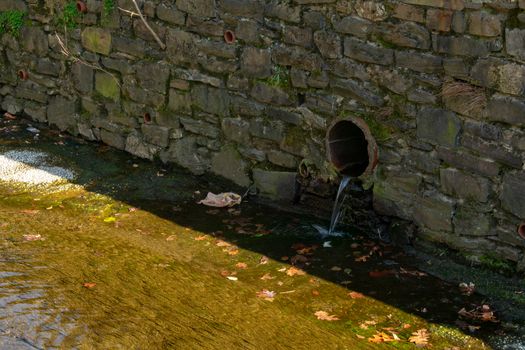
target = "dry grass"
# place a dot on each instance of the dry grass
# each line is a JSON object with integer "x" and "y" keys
{"x": 472, "y": 99}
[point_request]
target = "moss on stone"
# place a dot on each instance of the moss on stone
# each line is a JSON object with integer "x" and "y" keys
{"x": 107, "y": 86}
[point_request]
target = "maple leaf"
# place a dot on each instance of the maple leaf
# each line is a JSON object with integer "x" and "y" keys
{"x": 324, "y": 316}
{"x": 419, "y": 337}
{"x": 294, "y": 271}
{"x": 381, "y": 337}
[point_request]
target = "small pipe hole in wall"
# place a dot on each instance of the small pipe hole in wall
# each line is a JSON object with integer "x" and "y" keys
{"x": 147, "y": 118}
{"x": 229, "y": 36}
{"x": 81, "y": 7}
{"x": 521, "y": 230}
{"x": 22, "y": 74}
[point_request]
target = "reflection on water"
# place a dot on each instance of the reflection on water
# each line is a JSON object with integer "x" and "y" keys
{"x": 27, "y": 321}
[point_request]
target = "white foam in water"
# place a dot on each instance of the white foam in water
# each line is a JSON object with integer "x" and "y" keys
{"x": 31, "y": 167}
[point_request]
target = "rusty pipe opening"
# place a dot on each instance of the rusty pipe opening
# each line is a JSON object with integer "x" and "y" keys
{"x": 351, "y": 147}
{"x": 521, "y": 230}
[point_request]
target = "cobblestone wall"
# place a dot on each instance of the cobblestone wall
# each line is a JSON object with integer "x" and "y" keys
{"x": 246, "y": 89}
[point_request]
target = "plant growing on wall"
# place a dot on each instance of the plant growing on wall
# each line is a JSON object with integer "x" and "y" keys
{"x": 68, "y": 18}
{"x": 11, "y": 22}
{"x": 108, "y": 7}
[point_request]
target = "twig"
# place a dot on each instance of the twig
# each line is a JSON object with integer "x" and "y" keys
{"x": 131, "y": 13}
{"x": 65, "y": 51}
{"x": 161, "y": 44}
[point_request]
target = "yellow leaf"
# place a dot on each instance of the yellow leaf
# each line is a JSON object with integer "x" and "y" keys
{"x": 324, "y": 316}
{"x": 110, "y": 219}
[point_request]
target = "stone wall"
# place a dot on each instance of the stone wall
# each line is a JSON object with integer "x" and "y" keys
{"x": 440, "y": 83}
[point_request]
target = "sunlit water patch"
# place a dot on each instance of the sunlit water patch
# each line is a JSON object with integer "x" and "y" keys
{"x": 31, "y": 167}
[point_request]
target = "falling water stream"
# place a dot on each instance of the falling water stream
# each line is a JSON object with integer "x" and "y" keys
{"x": 339, "y": 199}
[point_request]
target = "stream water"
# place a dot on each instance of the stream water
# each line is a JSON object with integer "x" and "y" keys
{"x": 122, "y": 257}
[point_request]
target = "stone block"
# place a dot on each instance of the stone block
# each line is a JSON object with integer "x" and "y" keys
{"x": 113, "y": 139}
{"x": 179, "y": 101}
{"x": 484, "y": 24}
{"x": 202, "y": 8}
{"x": 461, "y": 46}
{"x": 107, "y": 86}
{"x": 390, "y": 201}
{"x": 169, "y": 14}
{"x": 515, "y": 42}
{"x": 438, "y": 126}
{"x": 200, "y": 127}
{"x": 465, "y": 186}
{"x": 256, "y": 63}
{"x": 156, "y": 135}
{"x": 62, "y": 113}
{"x": 505, "y": 76}
{"x": 434, "y": 213}
{"x": 97, "y": 40}
{"x": 368, "y": 53}
{"x": 471, "y": 222}
{"x": 467, "y": 161}
{"x": 270, "y": 94}
{"x": 136, "y": 146}
{"x": 439, "y": 20}
{"x": 236, "y": 129}
{"x": 328, "y": 43}
{"x": 277, "y": 185}
{"x": 34, "y": 40}
{"x": 229, "y": 164}
{"x": 406, "y": 34}
{"x": 512, "y": 198}
{"x": 210, "y": 100}
{"x": 297, "y": 36}
{"x": 185, "y": 153}
{"x": 506, "y": 109}
{"x": 419, "y": 62}
{"x": 409, "y": 12}
{"x": 282, "y": 159}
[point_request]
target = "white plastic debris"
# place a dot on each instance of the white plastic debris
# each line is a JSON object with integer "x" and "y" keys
{"x": 228, "y": 199}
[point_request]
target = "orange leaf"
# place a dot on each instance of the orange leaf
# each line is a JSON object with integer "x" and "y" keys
{"x": 420, "y": 337}
{"x": 241, "y": 265}
{"x": 356, "y": 295}
{"x": 89, "y": 285}
{"x": 294, "y": 271}
{"x": 381, "y": 337}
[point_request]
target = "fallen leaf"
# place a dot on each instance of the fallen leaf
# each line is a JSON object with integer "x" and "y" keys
{"x": 221, "y": 243}
{"x": 241, "y": 265}
{"x": 381, "y": 337}
{"x": 267, "y": 277}
{"x": 263, "y": 260}
{"x": 171, "y": 238}
{"x": 89, "y": 285}
{"x": 379, "y": 274}
{"x": 284, "y": 258}
{"x": 266, "y": 294}
{"x": 298, "y": 259}
{"x": 233, "y": 252}
{"x": 356, "y": 295}
{"x": 232, "y": 278}
{"x": 367, "y": 324}
{"x": 30, "y": 211}
{"x": 200, "y": 238}
{"x": 294, "y": 271}
{"x": 110, "y": 219}
{"x": 32, "y": 237}
{"x": 363, "y": 258}
{"x": 467, "y": 289}
{"x": 324, "y": 316}
{"x": 419, "y": 337}
{"x": 336, "y": 268}
{"x": 315, "y": 293}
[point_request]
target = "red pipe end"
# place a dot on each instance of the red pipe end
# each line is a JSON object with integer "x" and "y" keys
{"x": 81, "y": 7}
{"x": 521, "y": 230}
{"x": 229, "y": 37}
{"x": 147, "y": 118}
{"x": 22, "y": 74}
